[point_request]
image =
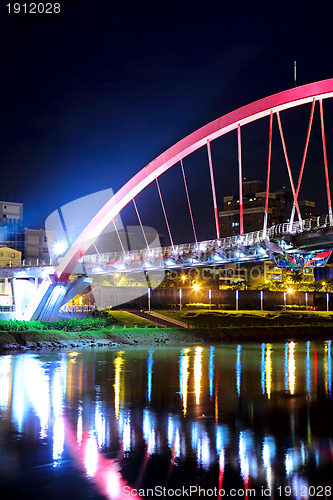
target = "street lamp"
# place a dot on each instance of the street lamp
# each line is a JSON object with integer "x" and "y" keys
{"x": 149, "y": 292}
{"x": 261, "y": 300}
{"x": 180, "y": 298}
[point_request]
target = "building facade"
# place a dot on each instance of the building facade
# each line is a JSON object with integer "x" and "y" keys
{"x": 11, "y": 224}
{"x": 260, "y": 275}
{"x": 9, "y": 257}
{"x": 35, "y": 244}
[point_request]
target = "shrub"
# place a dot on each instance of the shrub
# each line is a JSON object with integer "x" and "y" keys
{"x": 69, "y": 325}
{"x": 290, "y": 307}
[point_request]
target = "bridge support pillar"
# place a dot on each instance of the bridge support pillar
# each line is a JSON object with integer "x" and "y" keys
{"x": 49, "y": 297}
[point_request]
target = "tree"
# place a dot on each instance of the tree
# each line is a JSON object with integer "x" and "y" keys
{"x": 297, "y": 278}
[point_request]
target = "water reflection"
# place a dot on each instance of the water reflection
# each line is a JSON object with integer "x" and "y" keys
{"x": 184, "y": 362}
{"x": 238, "y": 369}
{"x": 118, "y": 363}
{"x": 85, "y": 408}
{"x": 197, "y": 373}
{"x": 211, "y": 370}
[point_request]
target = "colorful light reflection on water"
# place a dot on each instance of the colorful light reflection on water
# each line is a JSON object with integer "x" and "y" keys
{"x": 235, "y": 416}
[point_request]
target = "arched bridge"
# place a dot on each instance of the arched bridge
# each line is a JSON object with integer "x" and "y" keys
{"x": 296, "y": 243}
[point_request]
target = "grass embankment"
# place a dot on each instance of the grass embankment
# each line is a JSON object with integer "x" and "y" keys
{"x": 115, "y": 328}
{"x": 252, "y": 319}
{"x": 109, "y": 328}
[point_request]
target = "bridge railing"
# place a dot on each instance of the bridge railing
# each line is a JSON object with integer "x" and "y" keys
{"x": 194, "y": 251}
{"x": 188, "y": 251}
{"x": 320, "y": 222}
{"x": 28, "y": 263}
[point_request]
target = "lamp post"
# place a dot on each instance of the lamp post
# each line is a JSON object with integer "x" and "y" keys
{"x": 236, "y": 300}
{"x": 149, "y": 291}
{"x": 261, "y": 300}
{"x": 210, "y": 298}
{"x": 285, "y": 300}
{"x": 306, "y": 301}
{"x": 180, "y": 298}
{"x": 327, "y": 301}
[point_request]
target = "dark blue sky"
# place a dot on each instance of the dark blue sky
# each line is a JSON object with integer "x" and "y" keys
{"x": 91, "y": 96}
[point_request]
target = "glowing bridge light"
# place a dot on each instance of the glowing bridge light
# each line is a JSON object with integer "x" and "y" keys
{"x": 97, "y": 269}
{"x": 59, "y": 247}
{"x": 121, "y": 267}
{"x": 196, "y": 287}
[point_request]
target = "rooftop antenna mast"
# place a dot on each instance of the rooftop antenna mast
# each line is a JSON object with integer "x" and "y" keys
{"x": 294, "y": 73}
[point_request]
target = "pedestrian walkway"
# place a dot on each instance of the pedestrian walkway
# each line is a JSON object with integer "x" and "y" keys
{"x": 161, "y": 320}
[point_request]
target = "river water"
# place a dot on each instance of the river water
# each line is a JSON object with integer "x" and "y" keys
{"x": 241, "y": 421}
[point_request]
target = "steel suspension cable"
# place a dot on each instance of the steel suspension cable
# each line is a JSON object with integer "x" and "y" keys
{"x": 288, "y": 166}
{"x": 213, "y": 191}
{"x": 240, "y": 179}
{"x": 121, "y": 243}
{"x": 165, "y": 215}
{"x": 325, "y": 162}
{"x": 303, "y": 163}
{"x": 143, "y": 232}
{"x": 268, "y": 173}
{"x": 188, "y": 201}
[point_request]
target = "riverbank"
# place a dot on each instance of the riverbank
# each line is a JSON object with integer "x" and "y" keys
{"x": 122, "y": 329}
{"x": 55, "y": 340}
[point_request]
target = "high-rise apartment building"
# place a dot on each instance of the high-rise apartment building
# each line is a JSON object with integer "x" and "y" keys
{"x": 279, "y": 209}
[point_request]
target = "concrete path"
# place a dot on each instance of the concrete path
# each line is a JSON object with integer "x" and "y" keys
{"x": 161, "y": 320}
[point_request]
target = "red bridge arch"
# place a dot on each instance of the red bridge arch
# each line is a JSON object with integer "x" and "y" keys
{"x": 226, "y": 123}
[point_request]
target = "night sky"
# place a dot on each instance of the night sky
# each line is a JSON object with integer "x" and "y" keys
{"x": 92, "y": 95}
